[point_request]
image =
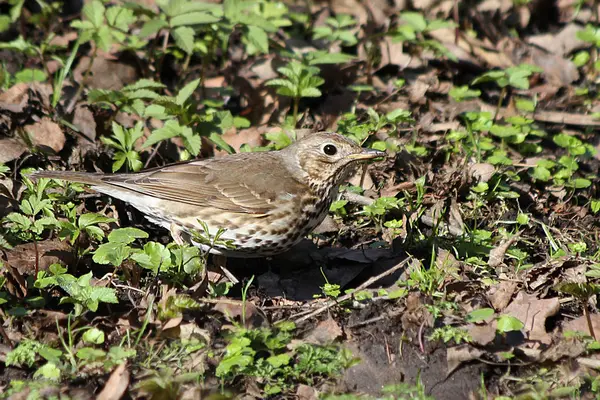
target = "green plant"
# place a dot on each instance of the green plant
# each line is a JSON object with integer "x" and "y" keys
{"x": 123, "y": 141}
{"x": 462, "y": 93}
{"x": 415, "y": 27}
{"x": 299, "y": 81}
{"x": 36, "y": 216}
{"x": 337, "y": 30}
{"x": 516, "y": 77}
{"x": 265, "y": 355}
{"x": 508, "y": 323}
{"x": 86, "y": 223}
{"x": 129, "y": 99}
{"x": 582, "y": 292}
{"x": 330, "y": 290}
{"x": 117, "y": 249}
{"x": 81, "y": 293}
{"x": 380, "y": 208}
{"x": 448, "y": 333}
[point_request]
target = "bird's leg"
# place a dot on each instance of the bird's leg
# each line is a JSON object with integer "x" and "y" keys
{"x": 220, "y": 261}
{"x": 176, "y": 234}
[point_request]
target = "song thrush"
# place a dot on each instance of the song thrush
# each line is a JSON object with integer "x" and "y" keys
{"x": 265, "y": 201}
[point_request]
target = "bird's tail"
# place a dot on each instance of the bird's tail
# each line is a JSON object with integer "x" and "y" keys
{"x": 88, "y": 178}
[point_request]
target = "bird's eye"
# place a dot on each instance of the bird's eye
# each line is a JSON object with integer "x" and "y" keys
{"x": 329, "y": 149}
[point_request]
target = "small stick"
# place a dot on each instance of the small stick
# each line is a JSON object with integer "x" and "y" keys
{"x": 345, "y": 297}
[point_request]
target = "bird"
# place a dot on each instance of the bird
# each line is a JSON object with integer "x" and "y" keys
{"x": 261, "y": 203}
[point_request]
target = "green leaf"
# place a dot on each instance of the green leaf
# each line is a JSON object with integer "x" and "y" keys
{"x": 184, "y": 38}
{"x": 49, "y": 371}
{"x": 581, "y": 183}
{"x": 595, "y": 206}
{"x": 93, "y": 218}
{"x": 258, "y": 37}
{"x": 90, "y": 354}
{"x": 152, "y": 26}
{"x": 508, "y": 323}
{"x": 194, "y": 18}
{"x": 185, "y": 92}
{"x": 232, "y": 10}
{"x": 323, "y": 57}
{"x": 169, "y": 130}
{"x": 30, "y": 75}
{"x": 415, "y": 20}
{"x": 93, "y": 336}
{"x": 154, "y": 256}
{"x": 310, "y": 92}
{"x": 541, "y": 174}
{"x": 479, "y": 315}
{"x": 523, "y": 219}
{"x": 126, "y": 235}
{"x": 94, "y": 12}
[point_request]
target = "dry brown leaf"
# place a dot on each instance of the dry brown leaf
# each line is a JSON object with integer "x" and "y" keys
{"x": 557, "y": 70}
{"x": 15, "y": 98}
{"x": 326, "y": 332}
{"x": 460, "y": 354}
{"x": 105, "y": 73}
{"x": 84, "y": 120}
{"x": 46, "y": 134}
{"x": 533, "y": 312}
{"x": 251, "y": 136}
{"x": 482, "y": 334}
{"x": 12, "y": 148}
{"x": 562, "y": 43}
{"x": 305, "y": 392}
{"x": 497, "y": 254}
{"x": 116, "y": 385}
{"x": 235, "y": 310}
{"x": 501, "y": 293}
{"x": 23, "y": 256}
{"x": 580, "y": 325}
{"x": 482, "y": 172}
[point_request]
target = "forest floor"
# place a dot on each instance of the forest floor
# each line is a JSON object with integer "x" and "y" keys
{"x": 464, "y": 265}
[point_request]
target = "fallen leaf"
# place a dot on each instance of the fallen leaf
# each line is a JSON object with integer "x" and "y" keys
{"x": 326, "y": 332}
{"x": 116, "y": 385}
{"x": 501, "y": 293}
{"x": 562, "y": 43}
{"x": 15, "y": 98}
{"x": 23, "y": 256}
{"x": 12, "y": 148}
{"x": 482, "y": 172}
{"x": 580, "y": 325}
{"x": 46, "y": 134}
{"x": 236, "y": 310}
{"x": 105, "y": 73}
{"x": 482, "y": 334}
{"x": 460, "y": 354}
{"x": 305, "y": 392}
{"x": 533, "y": 312}
{"x": 497, "y": 253}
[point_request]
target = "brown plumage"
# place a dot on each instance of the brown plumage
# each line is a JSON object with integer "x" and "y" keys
{"x": 265, "y": 201}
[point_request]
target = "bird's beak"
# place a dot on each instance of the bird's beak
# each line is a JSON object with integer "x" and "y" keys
{"x": 367, "y": 154}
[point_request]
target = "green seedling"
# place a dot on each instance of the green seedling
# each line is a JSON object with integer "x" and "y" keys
{"x": 123, "y": 141}
{"x": 81, "y": 293}
{"x": 582, "y": 292}
{"x": 516, "y": 77}
{"x": 337, "y": 30}
{"x": 300, "y": 81}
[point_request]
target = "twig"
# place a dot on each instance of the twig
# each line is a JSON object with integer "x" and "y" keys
{"x": 421, "y": 346}
{"x": 348, "y": 296}
{"x": 358, "y": 199}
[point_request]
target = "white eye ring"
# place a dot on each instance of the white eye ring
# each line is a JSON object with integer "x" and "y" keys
{"x": 330, "y": 149}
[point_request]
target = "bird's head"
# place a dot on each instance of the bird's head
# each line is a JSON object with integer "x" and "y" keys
{"x": 326, "y": 157}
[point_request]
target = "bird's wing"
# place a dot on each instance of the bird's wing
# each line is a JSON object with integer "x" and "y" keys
{"x": 235, "y": 183}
